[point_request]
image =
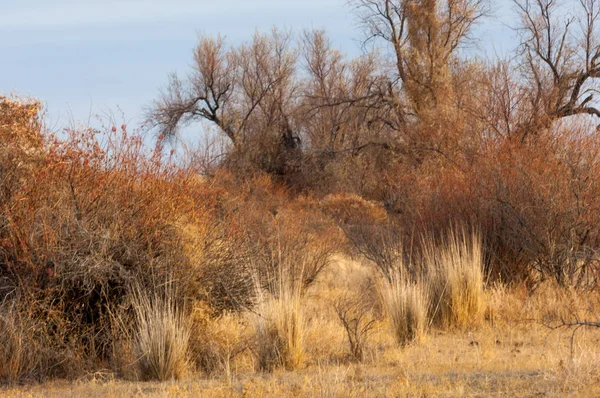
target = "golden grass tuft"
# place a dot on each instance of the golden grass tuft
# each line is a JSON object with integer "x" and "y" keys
{"x": 19, "y": 357}
{"x": 217, "y": 340}
{"x": 161, "y": 337}
{"x": 455, "y": 279}
{"x": 405, "y": 303}
{"x": 280, "y": 334}
{"x": 280, "y": 324}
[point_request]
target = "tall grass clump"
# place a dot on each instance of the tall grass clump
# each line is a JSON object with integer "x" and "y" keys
{"x": 280, "y": 334}
{"x": 405, "y": 303}
{"x": 455, "y": 279}
{"x": 20, "y": 356}
{"x": 162, "y": 336}
{"x": 280, "y": 323}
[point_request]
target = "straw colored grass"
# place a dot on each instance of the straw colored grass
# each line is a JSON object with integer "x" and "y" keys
{"x": 505, "y": 356}
{"x": 455, "y": 279}
{"x": 19, "y": 355}
{"x": 280, "y": 334}
{"x": 279, "y": 322}
{"x": 405, "y": 303}
{"x": 161, "y": 337}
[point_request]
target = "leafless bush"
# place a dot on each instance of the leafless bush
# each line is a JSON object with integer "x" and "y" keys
{"x": 358, "y": 317}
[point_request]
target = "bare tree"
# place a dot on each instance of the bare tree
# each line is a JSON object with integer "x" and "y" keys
{"x": 561, "y": 56}
{"x": 248, "y": 92}
{"x": 342, "y": 99}
{"x": 424, "y": 36}
{"x": 208, "y": 92}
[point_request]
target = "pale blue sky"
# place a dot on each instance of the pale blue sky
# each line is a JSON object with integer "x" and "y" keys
{"x": 87, "y": 57}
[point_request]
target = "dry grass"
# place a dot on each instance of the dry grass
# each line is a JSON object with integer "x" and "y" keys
{"x": 279, "y": 324}
{"x": 279, "y": 334}
{"x": 217, "y": 341}
{"x": 507, "y": 356}
{"x": 20, "y": 356}
{"x": 162, "y": 335}
{"x": 455, "y": 279}
{"x": 445, "y": 290}
{"x": 406, "y": 305}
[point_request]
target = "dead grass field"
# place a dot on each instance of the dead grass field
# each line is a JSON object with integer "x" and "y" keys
{"x": 511, "y": 354}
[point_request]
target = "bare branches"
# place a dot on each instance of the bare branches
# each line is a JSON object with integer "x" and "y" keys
{"x": 205, "y": 94}
{"x": 357, "y": 316}
{"x": 424, "y": 36}
{"x": 561, "y": 62}
{"x": 228, "y": 86}
{"x": 574, "y": 325}
{"x": 342, "y": 100}
{"x": 385, "y": 19}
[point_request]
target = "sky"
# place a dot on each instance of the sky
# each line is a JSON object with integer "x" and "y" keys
{"x": 84, "y": 58}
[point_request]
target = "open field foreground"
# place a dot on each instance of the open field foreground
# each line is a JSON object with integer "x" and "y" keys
{"x": 510, "y": 354}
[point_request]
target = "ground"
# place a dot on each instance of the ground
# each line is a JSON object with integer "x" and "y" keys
{"x": 512, "y": 353}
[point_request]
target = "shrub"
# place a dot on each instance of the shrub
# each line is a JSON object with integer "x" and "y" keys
{"x": 259, "y": 236}
{"x": 96, "y": 212}
{"x": 358, "y": 319}
{"x": 297, "y": 241}
{"x": 20, "y": 143}
{"x": 538, "y": 207}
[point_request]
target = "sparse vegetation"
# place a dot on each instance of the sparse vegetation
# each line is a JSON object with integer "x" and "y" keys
{"x": 357, "y": 316}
